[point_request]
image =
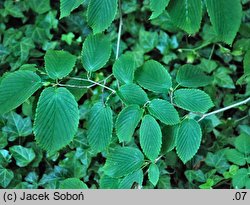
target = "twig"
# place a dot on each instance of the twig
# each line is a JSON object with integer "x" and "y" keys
{"x": 225, "y": 108}
{"x": 119, "y": 31}
{"x": 87, "y": 80}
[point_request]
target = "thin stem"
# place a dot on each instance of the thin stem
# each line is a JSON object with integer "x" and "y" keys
{"x": 119, "y": 31}
{"x": 197, "y": 48}
{"x": 225, "y": 108}
{"x": 94, "y": 83}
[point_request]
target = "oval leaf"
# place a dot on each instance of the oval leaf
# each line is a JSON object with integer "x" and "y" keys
{"x": 127, "y": 121}
{"x": 96, "y": 52}
{"x": 128, "y": 181}
{"x": 164, "y": 111}
{"x": 100, "y": 126}
{"x": 153, "y": 174}
{"x": 186, "y": 14}
{"x": 154, "y": 77}
{"x": 157, "y": 6}
{"x": 192, "y": 76}
{"x": 150, "y": 137}
{"x": 56, "y": 119}
{"x": 67, "y": 6}
{"x": 72, "y": 183}
{"x": 132, "y": 94}
{"x": 124, "y": 68}
{"x": 193, "y": 100}
{"x": 59, "y": 64}
{"x": 16, "y": 88}
{"x": 123, "y": 161}
{"x": 225, "y": 17}
{"x": 100, "y": 14}
{"x": 188, "y": 139}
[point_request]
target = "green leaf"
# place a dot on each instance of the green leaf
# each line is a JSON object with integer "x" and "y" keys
{"x": 150, "y": 137}
{"x": 67, "y": 6}
{"x": 127, "y": 121}
{"x": 242, "y": 143}
{"x": 235, "y": 157}
{"x": 186, "y": 14}
{"x": 240, "y": 178}
{"x": 193, "y": 100}
{"x": 188, "y": 139}
{"x": 192, "y": 76}
{"x": 6, "y": 177}
{"x": 218, "y": 161}
{"x": 96, "y": 51}
{"x": 40, "y": 7}
{"x": 124, "y": 68}
{"x": 16, "y": 88}
{"x": 123, "y": 161}
{"x": 154, "y": 77}
{"x": 169, "y": 134}
{"x": 72, "y": 183}
{"x": 17, "y": 126}
{"x": 56, "y": 119}
{"x": 22, "y": 155}
{"x": 100, "y": 126}
{"x": 59, "y": 64}
{"x": 132, "y": 94}
{"x": 128, "y": 181}
{"x": 225, "y": 20}
{"x": 153, "y": 174}
{"x": 164, "y": 111}
{"x": 107, "y": 182}
{"x": 157, "y": 7}
{"x": 100, "y": 14}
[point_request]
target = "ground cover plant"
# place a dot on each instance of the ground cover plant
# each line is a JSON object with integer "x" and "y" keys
{"x": 124, "y": 94}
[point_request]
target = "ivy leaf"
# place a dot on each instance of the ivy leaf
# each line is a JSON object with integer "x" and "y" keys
{"x": 188, "y": 139}
{"x": 100, "y": 14}
{"x": 226, "y": 22}
{"x": 240, "y": 178}
{"x": 127, "y": 121}
{"x": 186, "y": 14}
{"x": 192, "y": 76}
{"x": 40, "y": 7}
{"x": 242, "y": 143}
{"x": 59, "y": 64}
{"x": 17, "y": 126}
{"x": 123, "y": 161}
{"x": 154, "y": 77}
{"x": 124, "y": 68}
{"x": 56, "y": 108}
{"x": 6, "y": 177}
{"x": 150, "y": 137}
{"x": 67, "y": 6}
{"x": 235, "y": 157}
{"x": 72, "y": 183}
{"x": 164, "y": 111}
{"x": 22, "y": 155}
{"x": 128, "y": 181}
{"x": 96, "y": 52}
{"x": 16, "y": 88}
{"x": 132, "y": 94}
{"x": 193, "y": 100}
{"x": 100, "y": 126}
{"x": 157, "y": 7}
{"x": 153, "y": 174}
{"x": 218, "y": 161}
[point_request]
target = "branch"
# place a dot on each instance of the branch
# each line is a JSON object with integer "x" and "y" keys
{"x": 119, "y": 31}
{"x": 225, "y": 108}
{"x": 88, "y": 80}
